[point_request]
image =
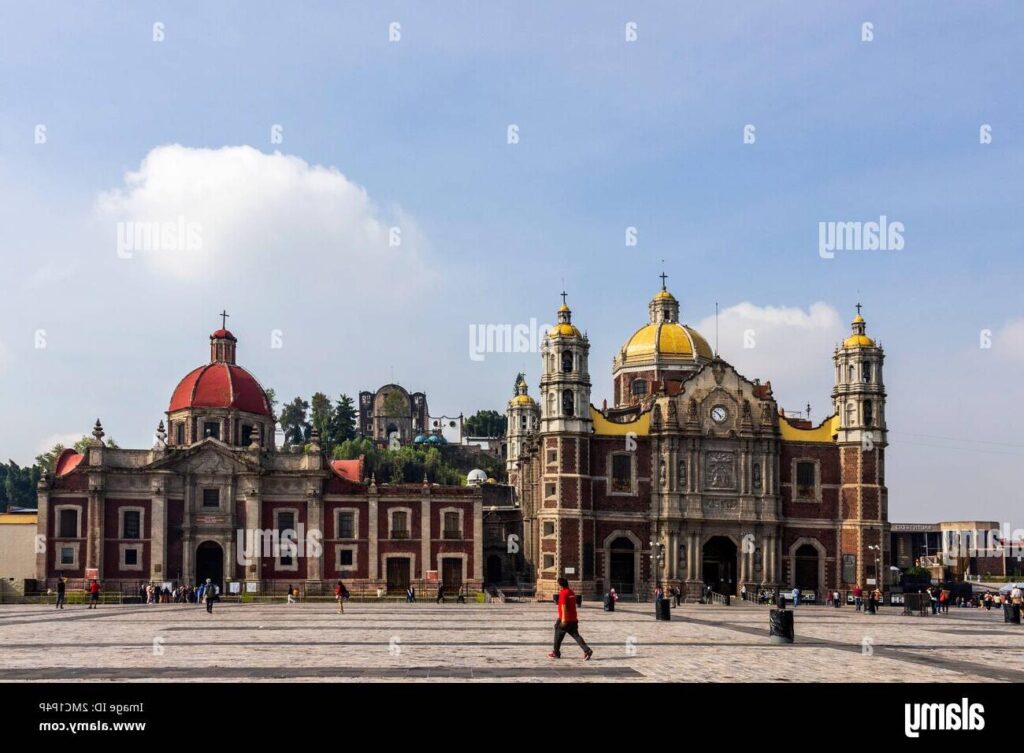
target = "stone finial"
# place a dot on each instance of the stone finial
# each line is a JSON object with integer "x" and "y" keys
{"x": 161, "y": 433}
{"x": 373, "y": 482}
{"x": 254, "y": 437}
{"x": 314, "y": 440}
{"x": 97, "y": 432}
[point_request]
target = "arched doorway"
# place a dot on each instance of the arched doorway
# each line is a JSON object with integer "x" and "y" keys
{"x": 494, "y": 569}
{"x": 622, "y": 565}
{"x": 805, "y": 568}
{"x": 719, "y": 565}
{"x": 210, "y": 563}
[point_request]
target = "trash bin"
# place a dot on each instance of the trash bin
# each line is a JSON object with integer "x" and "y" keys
{"x": 609, "y": 603}
{"x": 1011, "y": 613}
{"x": 662, "y": 609}
{"x": 579, "y": 600}
{"x": 780, "y": 626}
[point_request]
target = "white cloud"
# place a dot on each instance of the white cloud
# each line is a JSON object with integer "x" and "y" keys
{"x": 1008, "y": 342}
{"x": 787, "y": 345}
{"x": 217, "y": 209}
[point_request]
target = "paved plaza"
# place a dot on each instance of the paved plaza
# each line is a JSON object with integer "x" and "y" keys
{"x": 498, "y": 642}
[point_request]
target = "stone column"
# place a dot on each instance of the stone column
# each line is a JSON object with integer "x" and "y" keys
{"x": 94, "y": 536}
{"x": 374, "y": 566}
{"x": 425, "y": 534}
{"x": 314, "y": 522}
{"x": 253, "y": 515}
{"x": 42, "y": 529}
{"x": 673, "y": 556}
{"x": 478, "y": 539}
{"x": 187, "y": 538}
{"x": 698, "y": 558}
{"x": 158, "y": 532}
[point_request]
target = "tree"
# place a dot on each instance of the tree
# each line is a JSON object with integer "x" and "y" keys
{"x": 343, "y": 422}
{"x": 395, "y": 405}
{"x": 293, "y": 422}
{"x": 486, "y": 423}
{"x": 321, "y": 418}
{"x": 18, "y": 485}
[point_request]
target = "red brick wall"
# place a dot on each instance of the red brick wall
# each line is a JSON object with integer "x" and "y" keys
{"x": 570, "y": 555}
{"x": 111, "y": 550}
{"x": 54, "y": 542}
{"x": 269, "y": 563}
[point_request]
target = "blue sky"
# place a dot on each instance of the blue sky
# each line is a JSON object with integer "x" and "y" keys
{"x": 613, "y": 134}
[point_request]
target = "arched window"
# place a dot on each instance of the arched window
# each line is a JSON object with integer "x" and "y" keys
{"x": 851, "y": 413}
{"x": 522, "y": 422}
{"x": 851, "y": 372}
{"x": 639, "y": 387}
{"x": 755, "y": 474}
{"x": 682, "y": 475}
{"x": 865, "y": 371}
{"x": 568, "y": 405}
{"x": 551, "y": 403}
{"x": 868, "y": 413}
{"x": 566, "y": 361}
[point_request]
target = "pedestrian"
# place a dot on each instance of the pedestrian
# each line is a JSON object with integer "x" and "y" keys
{"x": 743, "y": 592}
{"x": 1016, "y": 595}
{"x": 835, "y": 599}
{"x": 933, "y": 597}
{"x": 410, "y": 594}
{"x": 340, "y": 594}
{"x": 614, "y": 594}
{"x": 61, "y": 592}
{"x": 211, "y": 595}
{"x": 440, "y": 594}
{"x": 796, "y": 596}
{"x": 568, "y": 622}
{"x": 658, "y": 594}
{"x": 858, "y": 595}
{"x": 94, "y": 594}
{"x": 944, "y": 601}
{"x": 291, "y": 597}
{"x": 678, "y": 594}
{"x": 201, "y": 593}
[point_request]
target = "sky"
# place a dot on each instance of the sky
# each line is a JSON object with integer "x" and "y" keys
{"x": 362, "y": 185}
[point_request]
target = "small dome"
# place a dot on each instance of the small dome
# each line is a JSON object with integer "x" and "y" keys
{"x": 564, "y": 330}
{"x": 666, "y": 340}
{"x": 420, "y": 439}
{"x": 858, "y": 341}
{"x": 220, "y": 385}
{"x": 523, "y": 400}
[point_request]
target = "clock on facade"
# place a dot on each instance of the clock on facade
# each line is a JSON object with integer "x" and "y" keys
{"x": 719, "y": 414}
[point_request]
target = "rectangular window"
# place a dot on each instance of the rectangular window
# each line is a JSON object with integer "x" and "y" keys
{"x": 866, "y": 371}
{"x": 286, "y": 521}
{"x": 131, "y": 557}
{"x": 588, "y": 561}
{"x": 549, "y": 490}
{"x": 451, "y": 526}
{"x": 345, "y": 557}
{"x": 622, "y": 473}
{"x": 869, "y": 416}
{"x": 549, "y": 528}
{"x": 552, "y": 456}
{"x": 132, "y": 524}
{"x": 67, "y": 555}
{"x": 246, "y": 435}
{"x": 806, "y": 476}
{"x": 179, "y": 433}
{"x": 399, "y": 525}
{"x": 211, "y": 497}
{"x": 639, "y": 387}
{"x": 549, "y": 561}
{"x": 346, "y": 525}
{"x": 211, "y": 429}
{"x": 68, "y": 524}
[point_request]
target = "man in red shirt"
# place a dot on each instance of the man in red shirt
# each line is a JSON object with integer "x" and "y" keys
{"x": 568, "y": 622}
{"x": 94, "y": 594}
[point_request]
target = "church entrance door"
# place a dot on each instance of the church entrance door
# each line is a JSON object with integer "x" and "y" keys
{"x": 451, "y": 574}
{"x": 210, "y": 564}
{"x": 805, "y": 576}
{"x": 622, "y": 565}
{"x": 398, "y": 574}
{"x": 719, "y": 565}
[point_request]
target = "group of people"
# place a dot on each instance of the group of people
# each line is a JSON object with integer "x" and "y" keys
{"x": 673, "y": 593}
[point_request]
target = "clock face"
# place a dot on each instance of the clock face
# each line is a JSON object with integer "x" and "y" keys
{"x": 719, "y": 414}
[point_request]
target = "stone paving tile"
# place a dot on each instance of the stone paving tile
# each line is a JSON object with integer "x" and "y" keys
{"x": 498, "y": 642}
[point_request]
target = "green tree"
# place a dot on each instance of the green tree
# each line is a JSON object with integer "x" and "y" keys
{"x": 395, "y": 405}
{"x": 486, "y": 423}
{"x": 322, "y": 412}
{"x": 343, "y": 421}
{"x": 293, "y": 422}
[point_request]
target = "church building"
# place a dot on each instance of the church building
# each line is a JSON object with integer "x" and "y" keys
{"x": 695, "y": 476}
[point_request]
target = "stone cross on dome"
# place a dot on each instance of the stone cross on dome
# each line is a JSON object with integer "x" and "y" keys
{"x": 224, "y": 318}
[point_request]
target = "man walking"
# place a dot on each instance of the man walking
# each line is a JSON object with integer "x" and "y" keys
{"x": 211, "y": 595}
{"x": 568, "y": 622}
{"x": 61, "y": 592}
{"x": 440, "y": 594}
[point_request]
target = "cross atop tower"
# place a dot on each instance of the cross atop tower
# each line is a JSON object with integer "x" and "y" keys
{"x": 858, "y": 309}
{"x": 224, "y": 319}
{"x": 663, "y": 277}
{"x": 563, "y": 294}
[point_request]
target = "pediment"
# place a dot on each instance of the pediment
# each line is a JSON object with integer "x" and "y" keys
{"x": 209, "y": 458}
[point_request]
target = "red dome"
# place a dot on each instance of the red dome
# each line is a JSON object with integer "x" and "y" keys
{"x": 223, "y": 333}
{"x": 220, "y": 385}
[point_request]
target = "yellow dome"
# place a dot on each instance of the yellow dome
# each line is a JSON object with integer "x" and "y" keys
{"x": 858, "y": 319}
{"x": 858, "y": 341}
{"x": 665, "y": 340}
{"x": 663, "y": 294}
{"x": 523, "y": 400}
{"x": 563, "y": 307}
{"x": 564, "y": 330}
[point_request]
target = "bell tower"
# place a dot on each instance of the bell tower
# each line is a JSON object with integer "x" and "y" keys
{"x": 859, "y": 392}
{"x": 565, "y": 377}
{"x": 523, "y": 422}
